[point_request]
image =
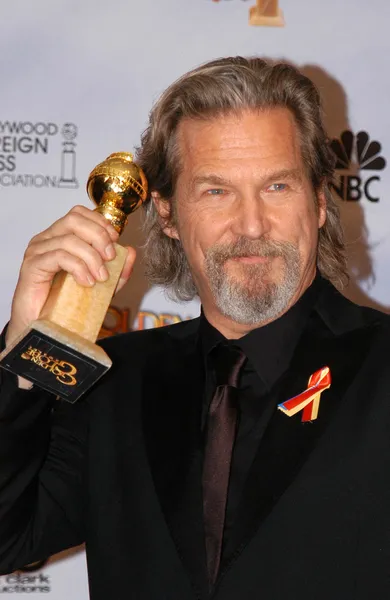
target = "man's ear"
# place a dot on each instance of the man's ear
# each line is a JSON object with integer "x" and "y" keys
{"x": 164, "y": 210}
{"x": 321, "y": 203}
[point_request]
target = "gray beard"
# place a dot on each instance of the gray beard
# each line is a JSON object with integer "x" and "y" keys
{"x": 253, "y": 301}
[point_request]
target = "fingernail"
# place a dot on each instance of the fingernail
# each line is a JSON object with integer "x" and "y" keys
{"x": 110, "y": 252}
{"x": 90, "y": 280}
{"x": 103, "y": 273}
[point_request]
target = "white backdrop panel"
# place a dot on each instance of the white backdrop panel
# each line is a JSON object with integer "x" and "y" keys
{"x": 100, "y": 65}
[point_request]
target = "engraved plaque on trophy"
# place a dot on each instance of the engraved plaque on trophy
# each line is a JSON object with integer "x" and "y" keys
{"x": 57, "y": 352}
{"x": 266, "y": 13}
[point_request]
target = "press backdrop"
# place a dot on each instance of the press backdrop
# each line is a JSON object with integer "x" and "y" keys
{"x": 78, "y": 78}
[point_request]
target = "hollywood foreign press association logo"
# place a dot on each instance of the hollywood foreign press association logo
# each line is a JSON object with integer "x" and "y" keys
{"x": 265, "y": 13}
{"x": 25, "y": 148}
{"x": 355, "y": 154}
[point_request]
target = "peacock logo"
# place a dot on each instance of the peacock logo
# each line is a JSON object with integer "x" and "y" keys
{"x": 355, "y": 153}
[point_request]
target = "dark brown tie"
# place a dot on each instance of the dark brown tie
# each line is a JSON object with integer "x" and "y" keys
{"x": 221, "y": 429}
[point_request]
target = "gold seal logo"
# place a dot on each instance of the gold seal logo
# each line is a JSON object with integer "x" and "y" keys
{"x": 266, "y": 13}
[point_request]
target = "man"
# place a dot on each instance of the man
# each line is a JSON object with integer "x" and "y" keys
{"x": 178, "y": 470}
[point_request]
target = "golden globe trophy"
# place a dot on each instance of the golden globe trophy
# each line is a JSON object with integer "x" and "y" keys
{"x": 57, "y": 352}
{"x": 266, "y": 13}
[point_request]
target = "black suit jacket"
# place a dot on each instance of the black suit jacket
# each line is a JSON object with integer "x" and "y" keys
{"x": 121, "y": 471}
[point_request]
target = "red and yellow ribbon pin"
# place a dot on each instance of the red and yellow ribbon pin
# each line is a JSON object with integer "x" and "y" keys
{"x": 309, "y": 400}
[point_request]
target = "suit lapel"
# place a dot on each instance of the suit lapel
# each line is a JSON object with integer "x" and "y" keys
{"x": 172, "y": 413}
{"x": 338, "y": 337}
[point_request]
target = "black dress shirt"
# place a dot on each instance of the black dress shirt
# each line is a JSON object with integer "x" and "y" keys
{"x": 269, "y": 350}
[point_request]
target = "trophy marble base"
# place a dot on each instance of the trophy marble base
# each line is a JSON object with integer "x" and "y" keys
{"x": 58, "y": 351}
{"x": 259, "y": 19}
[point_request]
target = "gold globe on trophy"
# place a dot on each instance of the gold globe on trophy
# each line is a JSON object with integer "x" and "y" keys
{"x": 118, "y": 187}
{"x": 58, "y": 352}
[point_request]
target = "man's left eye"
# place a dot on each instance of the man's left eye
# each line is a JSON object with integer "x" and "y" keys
{"x": 215, "y": 191}
{"x": 277, "y": 187}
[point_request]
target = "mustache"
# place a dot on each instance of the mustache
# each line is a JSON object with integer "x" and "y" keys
{"x": 247, "y": 247}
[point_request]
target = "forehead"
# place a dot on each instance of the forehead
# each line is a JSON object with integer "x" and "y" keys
{"x": 266, "y": 138}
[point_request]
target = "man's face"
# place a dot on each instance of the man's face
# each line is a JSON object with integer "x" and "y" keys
{"x": 246, "y": 214}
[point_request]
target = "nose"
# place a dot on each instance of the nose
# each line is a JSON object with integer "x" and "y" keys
{"x": 250, "y": 218}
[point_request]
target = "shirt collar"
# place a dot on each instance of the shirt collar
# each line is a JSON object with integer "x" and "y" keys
{"x": 269, "y": 348}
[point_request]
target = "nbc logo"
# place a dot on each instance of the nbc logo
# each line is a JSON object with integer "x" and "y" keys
{"x": 355, "y": 154}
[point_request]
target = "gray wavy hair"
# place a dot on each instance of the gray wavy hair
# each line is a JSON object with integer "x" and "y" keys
{"x": 213, "y": 89}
